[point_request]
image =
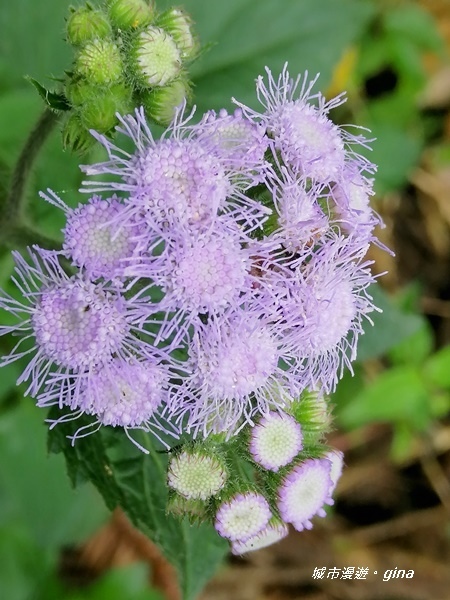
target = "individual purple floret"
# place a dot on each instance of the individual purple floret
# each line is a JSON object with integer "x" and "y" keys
{"x": 300, "y": 217}
{"x": 296, "y": 119}
{"x": 94, "y": 237}
{"x": 351, "y": 197}
{"x": 236, "y": 375}
{"x": 244, "y": 142}
{"x": 242, "y": 517}
{"x": 275, "y": 440}
{"x": 304, "y": 491}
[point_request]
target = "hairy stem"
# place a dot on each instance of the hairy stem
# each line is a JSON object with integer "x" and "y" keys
{"x": 39, "y": 134}
{"x": 20, "y": 236}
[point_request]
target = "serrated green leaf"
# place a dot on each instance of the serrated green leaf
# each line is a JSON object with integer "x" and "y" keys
{"x": 127, "y": 477}
{"x": 52, "y": 99}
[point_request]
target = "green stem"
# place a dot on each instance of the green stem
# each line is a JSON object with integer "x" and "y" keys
{"x": 39, "y": 134}
{"x": 14, "y": 233}
{"x": 21, "y": 236}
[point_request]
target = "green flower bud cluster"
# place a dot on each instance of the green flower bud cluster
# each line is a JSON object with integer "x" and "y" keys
{"x": 126, "y": 55}
{"x": 226, "y": 481}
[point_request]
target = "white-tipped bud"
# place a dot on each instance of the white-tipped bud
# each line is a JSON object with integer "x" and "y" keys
{"x": 275, "y": 441}
{"x": 155, "y": 58}
{"x": 179, "y": 24}
{"x": 274, "y": 531}
{"x": 196, "y": 475}
{"x": 242, "y": 516}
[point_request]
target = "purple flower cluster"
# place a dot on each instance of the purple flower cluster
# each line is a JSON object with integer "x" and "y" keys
{"x": 212, "y": 276}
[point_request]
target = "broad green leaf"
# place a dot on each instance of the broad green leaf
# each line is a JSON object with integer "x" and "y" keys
{"x": 32, "y": 40}
{"x": 416, "y": 24}
{"x": 397, "y": 395}
{"x": 396, "y": 152}
{"x": 24, "y": 566}
{"x": 415, "y": 348}
{"x": 437, "y": 368}
{"x": 33, "y": 486}
{"x": 127, "y": 477}
{"x": 403, "y": 441}
{"x": 390, "y": 327}
{"x": 250, "y": 34}
{"x": 407, "y": 58}
{"x": 348, "y": 387}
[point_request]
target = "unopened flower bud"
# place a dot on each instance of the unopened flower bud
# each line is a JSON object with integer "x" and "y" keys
{"x": 313, "y": 414}
{"x": 179, "y": 24}
{"x": 99, "y": 111}
{"x": 336, "y": 458}
{"x": 155, "y": 57}
{"x": 160, "y": 103}
{"x": 100, "y": 62}
{"x": 184, "y": 507}
{"x": 75, "y": 136}
{"x": 196, "y": 475}
{"x": 78, "y": 91}
{"x": 130, "y": 14}
{"x": 274, "y": 531}
{"x": 85, "y": 24}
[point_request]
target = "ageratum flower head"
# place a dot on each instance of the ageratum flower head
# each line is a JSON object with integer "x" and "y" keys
{"x": 196, "y": 475}
{"x": 297, "y": 121}
{"x": 94, "y": 238}
{"x": 236, "y": 375}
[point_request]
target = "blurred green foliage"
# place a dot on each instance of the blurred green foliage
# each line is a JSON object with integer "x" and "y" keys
{"x": 390, "y": 68}
{"x": 39, "y": 513}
